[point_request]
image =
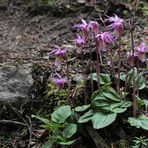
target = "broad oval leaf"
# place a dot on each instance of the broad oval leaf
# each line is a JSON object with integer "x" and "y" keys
{"x": 46, "y": 121}
{"x": 66, "y": 142}
{"x": 111, "y": 94}
{"x": 120, "y": 107}
{"x": 86, "y": 117}
{"x": 99, "y": 97}
{"x": 48, "y": 144}
{"x": 61, "y": 114}
{"x": 82, "y": 108}
{"x": 100, "y": 120}
{"x": 145, "y": 102}
{"x": 100, "y": 101}
{"x": 70, "y": 130}
{"x": 142, "y": 81}
{"x": 140, "y": 122}
{"x": 104, "y": 78}
{"x": 138, "y": 77}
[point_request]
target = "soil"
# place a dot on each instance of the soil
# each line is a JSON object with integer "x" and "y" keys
{"x": 27, "y": 32}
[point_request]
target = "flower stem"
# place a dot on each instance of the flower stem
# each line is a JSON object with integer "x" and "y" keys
{"x": 134, "y": 82}
{"x": 91, "y": 71}
{"x": 84, "y": 77}
{"x": 98, "y": 68}
{"x": 68, "y": 82}
{"x": 126, "y": 79}
{"x": 112, "y": 66}
{"x": 119, "y": 69}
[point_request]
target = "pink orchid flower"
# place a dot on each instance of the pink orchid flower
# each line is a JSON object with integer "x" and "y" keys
{"x": 94, "y": 26}
{"x": 142, "y": 49}
{"x": 131, "y": 57}
{"x": 116, "y": 24}
{"x": 59, "y": 52}
{"x": 79, "y": 41}
{"x": 59, "y": 83}
{"x": 84, "y": 28}
{"x": 102, "y": 39}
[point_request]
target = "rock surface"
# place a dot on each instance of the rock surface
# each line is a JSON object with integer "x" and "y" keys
{"x": 15, "y": 82}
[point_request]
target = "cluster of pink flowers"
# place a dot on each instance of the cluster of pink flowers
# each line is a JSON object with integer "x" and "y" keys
{"x": 139, "y": 53}
{"x": 101, "y": 38}
{"x": 59, "y": 53}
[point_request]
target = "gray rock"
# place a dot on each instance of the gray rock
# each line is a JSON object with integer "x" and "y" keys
{"x": 15, "y": 82}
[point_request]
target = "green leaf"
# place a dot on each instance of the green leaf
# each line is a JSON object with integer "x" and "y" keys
{"x": 94, "y": 94}
{"x": 82, "y": 108}
{"x": 66, "y": 142}
{"x": 145, "y": 102}
{"x": 61, "y": 114}
{"x": 41, "y": 119}
{"x": 103, "y": 103}
{"x": 111, "y": 94}
{"x": 105, "y": 87}
{"x": 120, "y": 107}
{"x": 138, "y": 77}
{"x": 139, "y": 101}
{"x": 141, "y": 81}
{"x": 122, "y": 76}
{"x": 99, "y": 97}
{"x": 118, "y": 110}
{"x": 100, "y": 102}
{"x": 53, "y": 126}
{"x": 70, "y": 130}
{"x": 94, "y": 76}
{"x": 140, "y": 122}
{"x": 48, "y": 144}
{"x": 86, "y": 117}
{"x": 48, "y": 124}
{"x": 104, "y": 78}
{"x": 100, "y": 120}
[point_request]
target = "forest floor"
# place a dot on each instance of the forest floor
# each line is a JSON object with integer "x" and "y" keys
{"x": 27, "y": 32}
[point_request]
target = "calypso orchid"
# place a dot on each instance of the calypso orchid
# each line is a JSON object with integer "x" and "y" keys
{"x": 102, "y": 39}
{"x": 94, "y": 26}
{"x": 79, "y": 42}
{"x": 116, "y": 24}
{"x": 131, "y": 57}
{"x": 59, "y": 83}
{"x": 59, "y": 52}
{"x": 142, "y": 49}
{"x": 84, "y": 28}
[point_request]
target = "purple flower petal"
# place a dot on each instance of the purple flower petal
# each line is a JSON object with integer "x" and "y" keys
{"x": 59, "y": 82}
{"x": 59, "y": 52}
{"x": 94, "y": 26}
{"x": 116, "y": 24}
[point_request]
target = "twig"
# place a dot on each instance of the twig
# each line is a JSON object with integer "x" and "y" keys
{"x": 29, "y": 129}
{"x": 27, "y": 124}
{"x": 12, "y": 122}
